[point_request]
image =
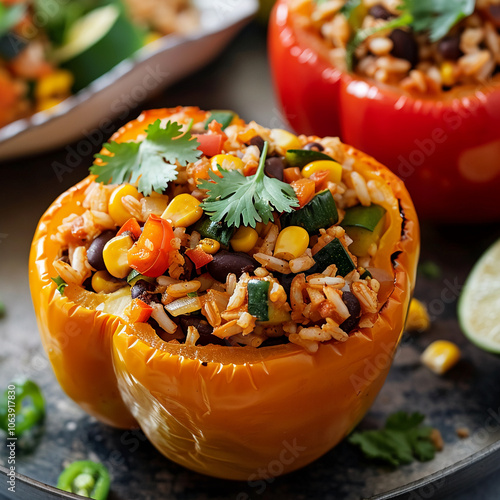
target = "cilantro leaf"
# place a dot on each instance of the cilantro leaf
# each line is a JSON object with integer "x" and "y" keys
{"x": 240, "y": 200}
{"x": 61, "y": 284}
{"x": 151, "y": 162}
{"x": 401, "y": 440}
{"x": 437, "y": 17}
{"x": 10, "y": 16}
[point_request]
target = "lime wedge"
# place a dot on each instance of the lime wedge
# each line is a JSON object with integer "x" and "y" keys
{"x": 479, "y": 303}
{"x": 96, "y": 43}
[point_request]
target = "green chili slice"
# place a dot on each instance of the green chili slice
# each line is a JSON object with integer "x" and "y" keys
{"x": 86, "y": 478}
{"x": 21, "y": 407}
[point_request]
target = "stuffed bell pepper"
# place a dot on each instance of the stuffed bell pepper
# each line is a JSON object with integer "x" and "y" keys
{"x": 236, "y": 291}
{"x": 415, "y": 84}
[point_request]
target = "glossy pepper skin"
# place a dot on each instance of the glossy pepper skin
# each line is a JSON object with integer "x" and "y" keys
{"x": 445, "y": 148}
{"x": 229, "y": 412}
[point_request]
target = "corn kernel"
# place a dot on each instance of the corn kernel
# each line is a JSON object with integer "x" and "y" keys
{"x": 284, "y": 139}
{"x": 183, "y": 210}
{"x": 418, "y": 319}
{"x": 55, "y": 84}
{"x": 115, "y": 206}
{"x": 447, "y": 71}
{"x": 292, "y": 242}
{"x": 209, "y": 245}
{"x": 103, "y": 282}
{"x": 115, "y": 255}
{"x": 244, "y": 239}
{"x": 227, "y": 162}
{"x": 333, "y": 168}
{"x": 440, "y": 356}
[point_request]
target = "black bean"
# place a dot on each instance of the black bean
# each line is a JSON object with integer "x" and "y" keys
{"x": 354, "y": 308}
{"x": 94, "y": 252}
{"x": 188, "y": 272}
{"x": 141, "y": 288}
{"x": 204, "y": 329}
{"x": 274, "y": 167}
{"x": 380, "y": 12}
{"x": 449, "y": 47}
{"x": 404, "y": 46}
{"x": 225, "y": 263}
{"x": 257, "y": 140}
{"x": 315, "y": 146}
{"x": 203, "y": 326}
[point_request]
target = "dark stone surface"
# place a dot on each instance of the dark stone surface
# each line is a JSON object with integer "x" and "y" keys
{"x": 467, "y": 396}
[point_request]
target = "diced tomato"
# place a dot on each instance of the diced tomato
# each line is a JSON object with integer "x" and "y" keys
{"x": 199, "y": 257}
{"x": 304, "y": 190}
{"x": 319, "y": 179}
{"x": 291, "y": 174}
{"x": 210, "y": 144}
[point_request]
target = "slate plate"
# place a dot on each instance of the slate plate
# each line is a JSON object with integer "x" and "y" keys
{"x": 467, "y": 396}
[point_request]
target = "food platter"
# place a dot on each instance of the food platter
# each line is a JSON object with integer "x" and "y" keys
{"x": 468, "y": 396}
{"x": 154, "y": 67}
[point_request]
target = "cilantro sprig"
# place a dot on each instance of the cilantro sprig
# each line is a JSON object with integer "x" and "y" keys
{"x": 236, "y": 199}
{"x": 152, "y": 161}
{"x": 437, "y": 17}
{"x": 401, "y": 440}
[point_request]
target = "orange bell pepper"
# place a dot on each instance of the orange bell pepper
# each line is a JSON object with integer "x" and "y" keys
{"x": 138, "y": 311}
{"x": 219, "y": 410}
{"x": 152, "y": 261}
{"x": 132, "y": 226}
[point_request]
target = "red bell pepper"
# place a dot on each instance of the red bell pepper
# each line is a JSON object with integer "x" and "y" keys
{"x": 445, "y": 148}
{"x": 199, "y": 257}
{"x": 149, "y": 255}
{"x": 132, "y": 226}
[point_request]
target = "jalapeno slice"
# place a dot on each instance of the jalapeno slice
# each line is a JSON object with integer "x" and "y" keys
{"x": 21, "y": 407}
{"x": 86, "y": 478}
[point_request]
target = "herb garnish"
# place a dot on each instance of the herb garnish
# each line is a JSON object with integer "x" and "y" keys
{"x": 399, "y": 442}
{"x": 61, "y": 284}
{"x": 10, "y": 16}
{"x": 435, "y": 16}
{"x": 151, "y": 161}
{"x": 237, "y": 199}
